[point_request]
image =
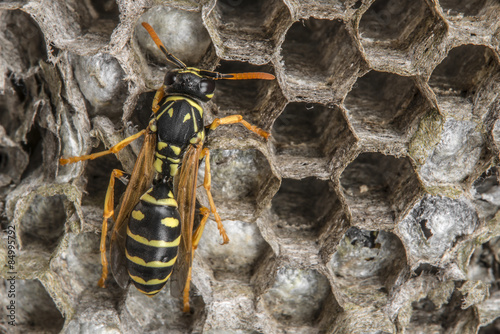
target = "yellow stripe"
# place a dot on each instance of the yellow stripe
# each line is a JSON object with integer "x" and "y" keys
{"x": 209, "y": 96}
{"x": 162, "y": 201}
{"x": 170, "y": 112}
{"x": 191, "y": 102}
{"x": 162, "y": 145}
{"x": 150, "y": 282}
{"x": 158, "y": 165}
{"x": 170, "y": 222}
{"x": 154, "y": 243}
{"x": 191, "y": 70}
{"x": 194, "y": 121}
{"x": 164, "y": 109}
{"x": 137, "y": 215}
{"x": 153, "y": 264}
{"x": 174, "y": 160}
{"x": 186, "y": 118}
{"x": 170, "y": 194}
{"x": 174, "y": 168}
{"x": 161, "y": 156}
{"x": 176, "y": 149}
{"x": 149, "y": 294}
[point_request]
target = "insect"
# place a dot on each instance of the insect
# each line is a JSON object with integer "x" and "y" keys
{"x": 154, "y": 234}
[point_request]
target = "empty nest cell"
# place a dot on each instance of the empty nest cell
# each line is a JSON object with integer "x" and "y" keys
{"x": 304, "y": 129}
{"x": 385, "y": 107}
{"x": 319, "y": 55}
{"x": 406, "y": 30}
{"x": 378, "y": 189}
{"x": 238, "y": 23}
{"x": 461, "y": 79}
{"x": 304, "y": 207}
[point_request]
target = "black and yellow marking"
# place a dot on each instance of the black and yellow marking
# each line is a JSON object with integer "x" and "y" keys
{"x": 153, "y": 237}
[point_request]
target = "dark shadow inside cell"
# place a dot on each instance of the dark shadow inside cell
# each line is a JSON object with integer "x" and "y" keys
{"x": 398, "y": 23}
{"x": 105, "y": 16}
{"x": 466, "y": 7}
{"x": 38, "y": 313}
{"x": 492, "y": 328}
{"x": 304, "y": 206}
{"x": 43, "y": 223}
{"x": 318, "y": 49}
{"x": 34, "y": 146}
{"x": 487, "y": 193}
{"x": 298, "y": 130}
{"x": 462, "y": 71}
{"x": 384, "y": 102}
{"x": 377, "y": 188}
{"x": 255, "y": 17}
{"x": 243, "y": 97}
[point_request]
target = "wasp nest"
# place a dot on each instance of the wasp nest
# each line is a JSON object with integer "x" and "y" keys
{"x": 372, "y": 208}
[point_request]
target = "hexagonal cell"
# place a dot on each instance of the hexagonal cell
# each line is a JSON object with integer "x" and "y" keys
{"x": 434, "y": 226}
{"x": 365, "y": 267}
{"x": 486, "y": 191}
{"x": 306, "y": 136}
{"x": 300, "y": 209}
{"x": 386, "y": 108}
{"x": 252, "y": 99}
{"x": 463, "y": 81}
{"x": 35, "y": 312}
{"x": 427, "y": 317}
{"x": 321, "y": 61}
{"x": 296, "y": 297}
{"x": 101, "y": 80}
{"x": 407, "y": 31}
{"x": 182, "y": 32}
{"x": 234, "y": 24}
{"x": 42, "y": 224}
{"x": 379, "y": 189}
{"x": 238, "y": 258}
{"x": 240, "y": 179}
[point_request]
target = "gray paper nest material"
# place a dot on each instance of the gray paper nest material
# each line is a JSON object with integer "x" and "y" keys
{"x": 373, "y": 207}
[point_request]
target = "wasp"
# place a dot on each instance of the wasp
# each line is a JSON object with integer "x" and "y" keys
{"x": 159, "y": 221}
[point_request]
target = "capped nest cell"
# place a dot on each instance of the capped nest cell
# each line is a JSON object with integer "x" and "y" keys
{"x": 373, "y": 207}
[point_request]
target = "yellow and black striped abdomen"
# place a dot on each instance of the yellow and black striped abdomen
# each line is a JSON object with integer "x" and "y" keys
{"x": 153, "y": 237}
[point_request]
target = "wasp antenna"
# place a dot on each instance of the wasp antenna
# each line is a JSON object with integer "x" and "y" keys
{"x": 170, "y": 57}
{"x": 247, "y": 76}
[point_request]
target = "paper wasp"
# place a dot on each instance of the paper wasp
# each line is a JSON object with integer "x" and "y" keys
{"x": 155, "y": 228}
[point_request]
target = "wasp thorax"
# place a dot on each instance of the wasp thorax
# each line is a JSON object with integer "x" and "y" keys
{"x": 190, "y": 83}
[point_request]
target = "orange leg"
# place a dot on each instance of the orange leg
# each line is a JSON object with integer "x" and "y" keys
{"x": 207, "y": 185}
{"x": 160, "y": 93}
{"x": 233, "y": 119}
{"x": 113, "y": 150}
{"x": 185, "y": 294}
{"x": 108, "y": 213}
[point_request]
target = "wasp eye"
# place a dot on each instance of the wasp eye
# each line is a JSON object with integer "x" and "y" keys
{"x": 207, "y": 86}
{"x": 170, "y": 78}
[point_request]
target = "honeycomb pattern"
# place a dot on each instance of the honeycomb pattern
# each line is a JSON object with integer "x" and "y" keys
{"x": 372, "y": 208}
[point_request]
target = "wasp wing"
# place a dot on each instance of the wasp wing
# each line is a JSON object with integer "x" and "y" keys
{"x": 186, "y": 199}
{"x": 140, "y": 180}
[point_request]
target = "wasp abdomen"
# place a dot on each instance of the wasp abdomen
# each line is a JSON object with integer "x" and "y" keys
{"x": 153, "y": 237}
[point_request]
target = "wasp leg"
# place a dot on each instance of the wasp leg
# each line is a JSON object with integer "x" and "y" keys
{"x": 108, "y": 213}
{"x": 160, "y": 93}
{"x": 233, "y": 119}
{"x": 205, "y": 212}
{"x": 113, "y": 150}
{"x": 207, "y": 185}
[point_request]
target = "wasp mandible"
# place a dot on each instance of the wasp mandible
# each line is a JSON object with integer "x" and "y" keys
{"x": 155, "y": 225}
